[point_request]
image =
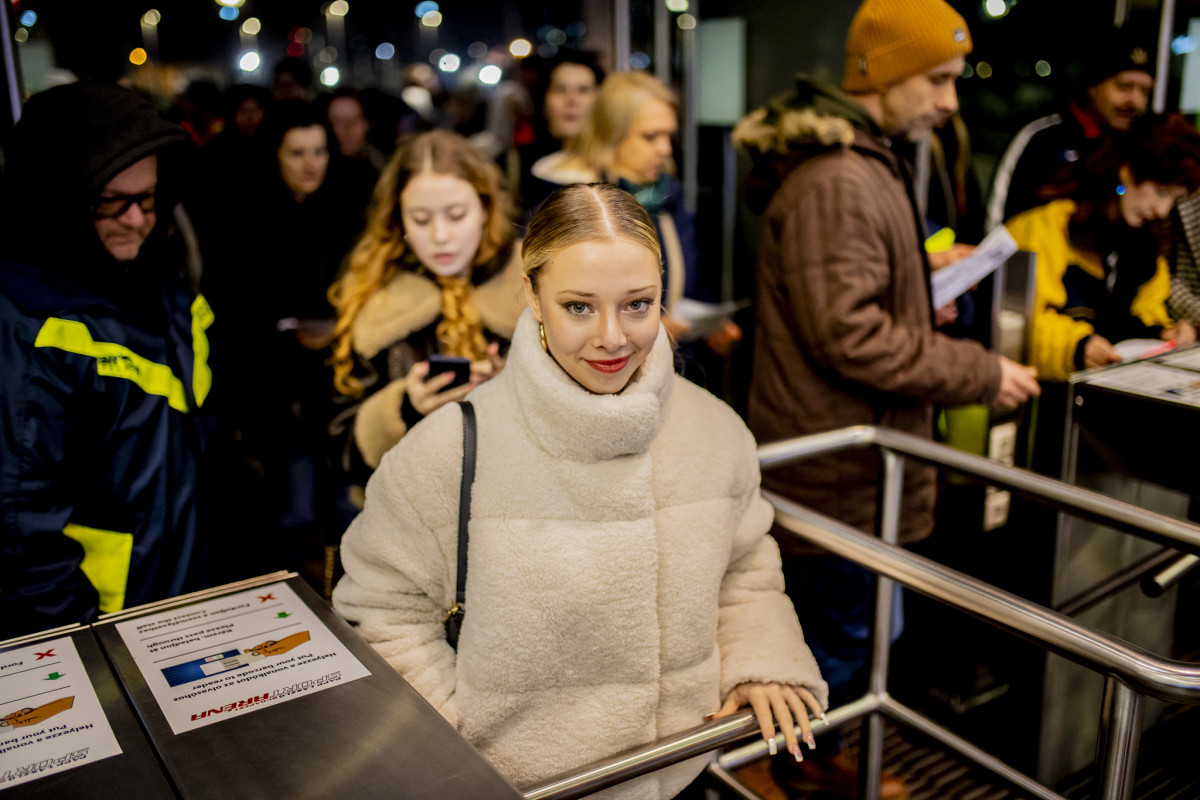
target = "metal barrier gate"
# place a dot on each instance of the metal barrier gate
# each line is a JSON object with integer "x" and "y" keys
{"x": 1129, "y": 671}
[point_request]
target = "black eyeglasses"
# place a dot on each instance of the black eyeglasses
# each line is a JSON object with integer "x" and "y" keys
{"x": 114, "y": 207}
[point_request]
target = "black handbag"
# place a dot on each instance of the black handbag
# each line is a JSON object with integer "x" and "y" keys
{"x": 454, "y": 616}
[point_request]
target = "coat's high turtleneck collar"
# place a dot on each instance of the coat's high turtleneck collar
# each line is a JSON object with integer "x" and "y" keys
{"x": 569, "y": 422}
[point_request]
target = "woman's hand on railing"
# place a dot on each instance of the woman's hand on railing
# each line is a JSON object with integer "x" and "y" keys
{"x": 776, "y": 703}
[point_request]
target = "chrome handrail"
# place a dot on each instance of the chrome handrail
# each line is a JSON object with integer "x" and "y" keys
{"x": 1128, "y": 669}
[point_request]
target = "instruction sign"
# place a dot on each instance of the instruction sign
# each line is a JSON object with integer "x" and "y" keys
{"x": 50, "y": 717}
{"x": 222, "y": 658}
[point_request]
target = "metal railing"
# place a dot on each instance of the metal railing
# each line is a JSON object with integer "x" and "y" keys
{"x": 1130, "y": 672}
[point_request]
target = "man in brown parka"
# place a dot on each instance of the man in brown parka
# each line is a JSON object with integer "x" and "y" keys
{"x": 845, "y": 332}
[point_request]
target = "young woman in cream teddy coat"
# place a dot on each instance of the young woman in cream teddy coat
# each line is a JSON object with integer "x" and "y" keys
{"x": 621, "y": 582}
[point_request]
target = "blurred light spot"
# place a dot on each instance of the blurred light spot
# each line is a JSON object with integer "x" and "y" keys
{"x": 449, "y": 63}
{"x": 436, "y": 56}
{"x": 1179, "y": 45}
{"x": 1042, "y": 68}
{"x": 490, "y": 75}
{"x": 425, "y": 7}
{"x": 385, "y": 51}
{"x": 520, "y": 48}
{"x": 252, "y": 26}
{"x": 137, "y": 56}
{"x": 431, "y": 19}
{"x": 228, "y": 13}
{"x": 557, "y": 36}
{"x": 328, "y": 55}
{"x": 301, "y": 35}
{"x": 339, "y": 8}
{"x": 995, "y": 9}
{"x": 544, "y": 31}
{"x": 639, "y": 60}
{"x": 1120, "y": 188}
{"x": 983, "y": 69}
{"x": 231, "y": 3}
{"x": 576, "y": 29}
{"x": 677, "y": 5}
{"x": 686, "y": 22}
{"x": 968, "y": 71}
{"x": 547, "y": 50}
{"x": 477, "y": 50}
{"x": 249, "y": 61}
{"x": 30, "y": 17}
{"x": 330, "y": 76}
{"x": 21, "y": 35}
{"x": 295, "y": 49}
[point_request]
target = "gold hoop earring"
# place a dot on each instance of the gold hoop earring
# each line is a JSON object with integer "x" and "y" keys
{"x": 542, "y": 336}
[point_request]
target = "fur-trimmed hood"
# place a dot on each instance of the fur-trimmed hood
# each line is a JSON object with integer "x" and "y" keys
{"x": 412, "y": 301}
{"x": 811, "y": 118}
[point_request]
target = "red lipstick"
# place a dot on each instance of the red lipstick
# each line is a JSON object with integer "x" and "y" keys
{"x": 609, "y": 366}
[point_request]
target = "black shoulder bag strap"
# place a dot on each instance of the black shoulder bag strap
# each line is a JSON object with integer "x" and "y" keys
{"x": 455, "y": 616}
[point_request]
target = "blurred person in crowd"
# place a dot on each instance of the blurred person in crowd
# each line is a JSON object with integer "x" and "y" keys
{"x": 361, "y": 161}
{"x": 283, "y": 240}
{"x": 437, "y": 272}
{"x": 1117, "y": 81}
{"x": 619, "y": 566}
{"x": 292, "y": 79}
{"x": 348, "y": 118}
{"x": 845, "y": 332}
{"x": 626, "y": 141}
{"x": 424, "y": 94}
{"x": 230, "y": 154}
{"x": 105, "y": 407}
{"x": 198, "y": 111}
{"x": 1101, "y": 277}
{"x": 562, "y": 98}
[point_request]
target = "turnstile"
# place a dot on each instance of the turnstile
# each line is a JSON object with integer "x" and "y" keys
{"x": 253, "y": 690}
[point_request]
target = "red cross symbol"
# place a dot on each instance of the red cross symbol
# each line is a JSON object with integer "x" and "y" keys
{"x": 262, "y": 598}
{"x": 48, "y": 654}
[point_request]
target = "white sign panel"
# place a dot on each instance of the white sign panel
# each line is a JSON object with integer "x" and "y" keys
{"x": 50, "y": 717}
{"x": 222, "y": 658}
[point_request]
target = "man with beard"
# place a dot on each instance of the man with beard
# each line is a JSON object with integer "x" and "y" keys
{"x": 1117, "y": 83}
{"x": 104, "y": 365}
{"x": 844, "y": 332}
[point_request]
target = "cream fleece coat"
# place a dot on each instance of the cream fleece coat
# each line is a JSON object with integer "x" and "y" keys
{"x": 621, "y": 580}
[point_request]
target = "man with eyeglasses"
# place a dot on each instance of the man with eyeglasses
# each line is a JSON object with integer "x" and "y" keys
{"x": 104, "y": 364}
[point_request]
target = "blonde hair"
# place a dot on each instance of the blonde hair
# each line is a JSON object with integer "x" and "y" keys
{"x": 618, "y": 101}
{"x": 381, "y": 251}
{"x": 585, "y": 212}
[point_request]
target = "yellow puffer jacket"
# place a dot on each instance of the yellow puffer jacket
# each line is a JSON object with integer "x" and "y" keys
{"x": 1056, "y": 330}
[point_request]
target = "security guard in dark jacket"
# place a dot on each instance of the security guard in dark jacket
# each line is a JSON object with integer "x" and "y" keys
{"x": 104, "y": 371}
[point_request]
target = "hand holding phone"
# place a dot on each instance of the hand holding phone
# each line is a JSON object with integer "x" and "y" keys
{"x": 461, "y": 367}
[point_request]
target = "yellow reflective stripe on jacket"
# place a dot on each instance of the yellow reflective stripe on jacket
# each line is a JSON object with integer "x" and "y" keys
{"x": 114, "y": 360}
{"x": 106, "y": 556}
{"x": 202, "y": 317}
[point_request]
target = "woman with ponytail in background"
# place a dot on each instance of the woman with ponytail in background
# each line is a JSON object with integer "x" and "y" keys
{"x": 437, "y": 272}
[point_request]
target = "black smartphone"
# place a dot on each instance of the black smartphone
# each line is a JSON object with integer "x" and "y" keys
{"x": 461, "y": 367}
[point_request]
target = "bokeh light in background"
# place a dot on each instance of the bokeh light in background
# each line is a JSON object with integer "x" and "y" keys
{"x": 251, "y": 27}
{"x": 29, "y": 18}
{"x": 431, "y": 19}
{"x": 385, "y": 51}
{"x": 249, "y": 62}
{"x": 677, "y": 5}
{"x": 449, "y": 63}
{"x": 330, "y": 76}
{"x": 339, "y": 8}
{"x": 490, "y": 75}
{"x": 520, "y": 48}
{"x": 228, "y": 13}
{"x": 137, "y": 56}
{"x": 424, "y": 8}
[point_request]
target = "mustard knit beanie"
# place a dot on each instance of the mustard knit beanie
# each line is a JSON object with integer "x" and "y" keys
{"x": 892, "y": 40}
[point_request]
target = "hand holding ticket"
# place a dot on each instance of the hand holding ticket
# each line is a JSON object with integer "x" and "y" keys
{"x": 951, "y": 281}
